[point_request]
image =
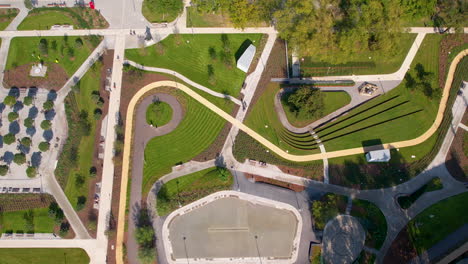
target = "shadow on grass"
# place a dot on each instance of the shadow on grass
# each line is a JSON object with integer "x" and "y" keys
{"x": 242, "y": 48}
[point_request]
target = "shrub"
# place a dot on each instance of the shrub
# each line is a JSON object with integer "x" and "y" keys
{"x": 80, "y": 203}
{"x": 3, "y": 170}
{"x": 48, "y": 105}
{"x": 43, "y": 47}
{"x": 44, "y": 146}
{"x": 28, "y": 100}
{"x": 31, "y": 172}
{"x": 145, "y": 236}
{"x": 95, "y": 96}
{"x": 9, "y": 100}
{"x": 64, "y": 228}
{"x": 55, "y": 212}
{"x": 12, "y": 116}
{"x": 79, "y": 180}
{"x": 28, "y": 122}
{"x": 26, "y": 141}
{"x": 92, "y": 172}
{"x": 19, "y": 158}
{"x": 53, "y": 45}
{"x": 46, "y": 124}
{"x": 9, "y": 139}
{"x": 78, "y": 43}
{"x": 97, "y": 113}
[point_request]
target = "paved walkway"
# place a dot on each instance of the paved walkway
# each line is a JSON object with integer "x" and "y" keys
{"x": 144, "y": 133}
{"x": 183, "y": 78}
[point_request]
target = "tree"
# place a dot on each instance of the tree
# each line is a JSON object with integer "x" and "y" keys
{"x": 48, "y": 105}
{"x": 19, "y": 158}
{"x": 71, "y": 52}
{"x": 212, "y": 52}
{"x": 28, "y": 122}
{"x": 28, "y": 4}
{"x": 306, "y": 100}
{"x": 3, "y": 170}
{"x": 95, "y": 96}
{"x": 9, "y": 138}
{"x": 31, "y": 172}
{"x": 26, "y": 141}
{"x": 80, "y": 202}
{"x": 451, "y": 14}
{"x": 55, "y": 212}
{"x": 146, "y": 255}
{"x": 242, "y": 12}
{"x": 44, "y": 146}
{"x": 12, "y": 116}
{"x": 9, "y": 100}
{"x": 211, "y": 75}
{"x": 165, "y": 7}
{"x": 78, "y": 43}
{"x": 46, "y": 124}
{"x": 43, "y": 47}
{"x": 28, "y": 100}
{"x": 145, "y": 236}
{"x": 418, "y": 8}
{"x": 79, "y": 180}
{"x": 53, "y": 45}
{"x": 97, "y": 113}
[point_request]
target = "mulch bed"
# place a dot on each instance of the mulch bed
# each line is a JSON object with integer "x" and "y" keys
{"x": 55, "y": 77}
{"x": 293, "y": 187}
{"x": 448, "y": 42}
{"x": 18, "y": 202}
{"x": 401, "y": 250}
{"x": 456, "y": 161}
{"x": 88, "y": 213}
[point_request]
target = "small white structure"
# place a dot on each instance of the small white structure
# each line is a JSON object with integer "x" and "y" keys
{"x": 246, "y": 59}
{"x": 382, "y": 155}
{"x": 38, "y": 70}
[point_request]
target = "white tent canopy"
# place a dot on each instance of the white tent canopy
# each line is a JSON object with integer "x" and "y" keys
{"x": 246, "y": 59}
{"x": 382, "y": 155}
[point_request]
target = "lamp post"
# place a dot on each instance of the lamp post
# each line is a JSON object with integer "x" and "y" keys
{"x": 258, "y": 250}
{"x": 185, "y": 247}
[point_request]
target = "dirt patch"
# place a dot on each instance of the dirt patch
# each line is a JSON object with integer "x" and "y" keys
{"x": 55, "y": 77}
{"x": 18, "y": 202}
{"x": 446, "y": 45}
{"x": 293, "y": 187}
{"x": 401, "y": 250}
{"x": 456, "y": 160}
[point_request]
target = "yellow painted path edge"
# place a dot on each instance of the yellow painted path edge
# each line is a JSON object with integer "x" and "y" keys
{"x": 259, "y": 138}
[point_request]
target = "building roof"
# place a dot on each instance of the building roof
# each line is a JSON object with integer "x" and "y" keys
{"x": 382, "y": 155}
{"x": 246, "y": 59}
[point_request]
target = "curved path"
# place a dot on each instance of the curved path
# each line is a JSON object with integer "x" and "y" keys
{"x": 143, "y": 134}
{"x": 183, "y": 78}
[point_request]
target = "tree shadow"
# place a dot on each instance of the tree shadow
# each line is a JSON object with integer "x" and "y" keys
{"x": 8, "y": 157}
{"x": 32, "y": 91}
{"x": 2, "y": 107}
{"x": 31, "y": 131}
{"x": 52, "y": 95}
{"x": 48, "y": 135}
{"x": 49, "y": 114}
{"x": 36, "y": 159}
{"x": 18, "y": 106}
{"x": 14, "y": 128}
{"x": 33, "y": 111}
{"x": 14, "y": 91}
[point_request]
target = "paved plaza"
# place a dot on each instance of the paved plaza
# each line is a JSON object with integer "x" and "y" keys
{"x": 225, "y": 227}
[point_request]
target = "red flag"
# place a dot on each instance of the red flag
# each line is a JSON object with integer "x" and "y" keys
{"x": 91, "y": 5}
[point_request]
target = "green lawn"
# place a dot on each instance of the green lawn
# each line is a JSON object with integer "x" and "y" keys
{"x": 245, "y": 147}
{"x": 78, "y": 142}
{"x": 44, "y": 18}
{"x": 373, "y": 220}
{"x": 264, "y": 120}
{"x": 438, "y": 221}
{"x": 43, "y": 255}
{"x": 191, "y": 187}
{"x": 157, "y": 11}
{"x": 216, "y": 19}
{"x": 400, "y": 114}
{"x": 406, "y": 201}
{"x": 197, "y": 130}
{"x": 189, "y": 55}
{"x": 6, "y": 16}
{"x": 328, "y": 207}
{"x": 332, "y": 101}
{"x": 16, "y": 223}
{"x": 24, "y": 50}
{"x": 158, "y": 114}
{"x": 370, "y": 62}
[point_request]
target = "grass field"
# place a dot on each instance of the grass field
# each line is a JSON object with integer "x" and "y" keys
{"x": 16, "y": 223}
{"x": 6, "y": 16}
{"x": 43, "y": 255}
{"x": 78, "y": 142}
{"x": 373, "y": 220}
{"x": 44, "y": 18}
{"x": 25, "y": 50}
{"x": 265, "y": 121}
{"x": 191, "y": 187}
{"x": 445, "y": 217}
{"x": 217, "y": 19}
{"x": 158, "y": 114}
{"x": 332, "y": 101}
{"x": 405, "y": 201}
{"x": 369, "y": 62}
{"x": 400, "y": 114}
{"x": 189, "y": 55}
{"x": 199, "y": 125}
{"x": 156, "y": 12}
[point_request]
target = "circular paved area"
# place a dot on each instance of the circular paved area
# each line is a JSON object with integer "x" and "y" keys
{"x": 343, "y": 240}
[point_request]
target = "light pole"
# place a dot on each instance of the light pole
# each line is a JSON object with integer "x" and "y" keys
{"x": 185, "y": 247}
{"x": 258, "y": 250}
